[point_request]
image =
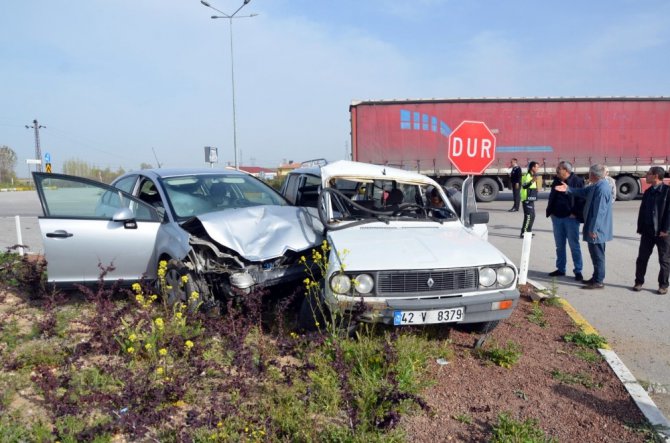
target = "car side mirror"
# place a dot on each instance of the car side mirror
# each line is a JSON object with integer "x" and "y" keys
{"x": 125, "y": 216}
{"x": 479, "y": 218}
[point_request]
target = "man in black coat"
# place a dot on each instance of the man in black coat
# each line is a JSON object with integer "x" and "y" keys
{"x": 653, "y": 225}
{"x": 566, "y": 212}
{"x": 515, "y": 181}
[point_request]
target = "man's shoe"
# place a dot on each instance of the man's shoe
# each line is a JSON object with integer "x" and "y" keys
{"x": 579, "y": 276}
{"x": 556, "y": 273}
{"x": 593, "y": 285}
{"x": 637, "y": 287}
{"x": 662, "y": 291}
{"x": 513, "y": 210}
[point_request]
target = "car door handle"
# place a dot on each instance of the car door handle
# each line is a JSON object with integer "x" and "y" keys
{"x": 59, "y": 234}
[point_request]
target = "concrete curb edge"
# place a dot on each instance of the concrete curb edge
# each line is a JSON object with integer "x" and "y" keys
{"x": 635, "y": 390}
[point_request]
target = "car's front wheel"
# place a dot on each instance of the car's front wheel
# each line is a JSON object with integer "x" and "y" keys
{"x": 312, "y": 313}
{"x": 181, "y": 283}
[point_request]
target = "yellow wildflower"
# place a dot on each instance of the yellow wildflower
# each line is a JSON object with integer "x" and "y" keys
{"x": 161, "y": 273}
{"x": 137, "y": 288}
{"x": 130, "y": 350}
{"x": 139, "y": 298}
{"x": 178, "y": 315}
{"x": 153, "y": 297}
{"x": 306, "y": 282}
{"x": 303, "y": 259}
{"x": 162, "y": 264}
{"x": 184, "y": 278}
{"x": 194, "y": 295}
{"x": 162, "y": 351}
{"x": 219, "y": 424}
{"x": 132, "y": 337}
{"x": 148, "y": 346}
{"x": 188, "y": 344}
{"x": 159, "y": 323}
{"x": 160, "y": 371}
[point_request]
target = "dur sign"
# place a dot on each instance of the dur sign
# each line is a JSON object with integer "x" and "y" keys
{"x": 472, "y": 147}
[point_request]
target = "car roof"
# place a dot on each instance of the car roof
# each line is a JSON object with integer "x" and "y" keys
{"x": 178, "y": 172}
{"x": 355, "y": 170}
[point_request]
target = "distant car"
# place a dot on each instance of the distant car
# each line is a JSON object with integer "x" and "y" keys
{"x": 409, "y": 259}
{"x": 225, "y": 229}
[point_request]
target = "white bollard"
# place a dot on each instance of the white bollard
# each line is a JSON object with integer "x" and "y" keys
{"x": 18, "y": 233}
{"x": 525, "y": 258}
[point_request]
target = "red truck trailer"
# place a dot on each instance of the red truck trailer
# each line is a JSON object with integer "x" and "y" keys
{"x": 628, "y": 134}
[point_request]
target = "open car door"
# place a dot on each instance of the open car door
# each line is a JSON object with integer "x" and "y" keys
{"x": 87, "y": 224}
{"x": 469, "y": 215}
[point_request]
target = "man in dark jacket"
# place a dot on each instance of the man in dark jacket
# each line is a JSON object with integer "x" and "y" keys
{"x": 515, "y": 180}
{"x": 566, "y": 212}
{"x": 653, "y": 225}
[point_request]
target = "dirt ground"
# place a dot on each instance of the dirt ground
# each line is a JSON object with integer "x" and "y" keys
{"x": 469, "y": 393}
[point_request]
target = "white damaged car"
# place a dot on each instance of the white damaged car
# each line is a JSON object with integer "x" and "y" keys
{"x": 399, "y": 246}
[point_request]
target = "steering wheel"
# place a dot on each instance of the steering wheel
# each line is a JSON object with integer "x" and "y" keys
{"x": 407, "y": 206}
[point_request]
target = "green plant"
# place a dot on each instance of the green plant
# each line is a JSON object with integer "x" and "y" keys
{"x": 588, "y": 355}
{"x": 536, "y": 315}
{"x": 505, "y": 357}
{"x": 572, "y": 379}
{"x": 508, "y": 430}
{"x": 582, "y": 339}
{"x": 554, "y": 301}
{"x": 463, "y": 418}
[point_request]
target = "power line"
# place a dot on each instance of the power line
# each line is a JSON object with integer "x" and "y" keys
{"x": 38, "y": 152}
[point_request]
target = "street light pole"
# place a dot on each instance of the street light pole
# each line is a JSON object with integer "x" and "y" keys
{"x": 232, "y": 62}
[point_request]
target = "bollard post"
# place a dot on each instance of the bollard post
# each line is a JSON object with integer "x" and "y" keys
{"x": 525, "y": 258}
{"x": 18, "y": 233}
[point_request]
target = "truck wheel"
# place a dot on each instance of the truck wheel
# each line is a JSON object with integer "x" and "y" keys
{"x": 454, "y": 182}
{"x": 486, "y": 190}
{"x": 626, "y": 188}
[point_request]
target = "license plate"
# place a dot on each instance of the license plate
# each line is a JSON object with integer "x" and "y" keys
{"x": 428, "y": 317}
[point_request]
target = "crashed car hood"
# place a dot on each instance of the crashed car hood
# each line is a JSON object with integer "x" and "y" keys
{"x": 406, "y": 246}
{"x": 262, "y": 233}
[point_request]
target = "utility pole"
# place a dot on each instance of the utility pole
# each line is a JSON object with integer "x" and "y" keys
{"x": 38, "y": 152}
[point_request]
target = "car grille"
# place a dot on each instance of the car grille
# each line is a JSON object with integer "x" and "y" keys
{"x": 402, "y": 283}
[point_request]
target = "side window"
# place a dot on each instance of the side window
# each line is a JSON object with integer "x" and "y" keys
{"x": 75, "y": 197}
{"x": 308, "y": 192}
{"x": 291, "y": 189}
{"x": 148, "y": 193}
{"x": 126, "y": 184}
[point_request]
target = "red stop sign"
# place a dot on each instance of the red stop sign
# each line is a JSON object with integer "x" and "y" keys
{"x": 472, "y": 147}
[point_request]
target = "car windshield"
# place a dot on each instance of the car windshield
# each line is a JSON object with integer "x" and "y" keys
{"x": 193, "y": 195}
{"x": 370, "y": 200}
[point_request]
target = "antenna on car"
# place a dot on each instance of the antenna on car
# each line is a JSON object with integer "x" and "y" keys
{"x": 158, "y": 163}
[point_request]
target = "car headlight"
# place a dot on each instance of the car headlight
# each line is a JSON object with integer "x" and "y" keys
{"x": 487, "y": 277}
{"x": 340, "y": 283}
{"x": 505, "y": 275}
{"x": 364, "y": 283}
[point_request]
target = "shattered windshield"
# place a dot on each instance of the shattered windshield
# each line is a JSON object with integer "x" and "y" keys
{"x": 384, "y": 200}
{"x": 198, "y": 194}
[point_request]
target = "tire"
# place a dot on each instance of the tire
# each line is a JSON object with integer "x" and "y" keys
{"x": 480, "y": 328}
{"x": 486, "y": 189}
{"x": 311, "y": 313}
{"x": 454, "y": 182}
{"x": 179, "y": 291}
{"x": 627, "y": 188}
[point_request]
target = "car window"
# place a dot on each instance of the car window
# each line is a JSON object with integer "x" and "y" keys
{"x": 76, "y": 197}
{"x": 291, "y": 188}
{"x": 194, "y": 195}
{"x": 126, "y": 184}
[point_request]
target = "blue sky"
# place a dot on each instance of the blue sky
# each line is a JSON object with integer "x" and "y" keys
{"x": 112, "y": 79}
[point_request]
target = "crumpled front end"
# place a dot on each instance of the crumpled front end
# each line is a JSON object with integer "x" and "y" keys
{"x": 239, "y": 249}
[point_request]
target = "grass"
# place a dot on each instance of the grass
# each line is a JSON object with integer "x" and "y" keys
{"x": 573, "y": 379}
{"x": 536, "y": 316}
{"x": 505, "y": 356}
{"x": 508, "y": 430}
{"x": 584, "y": 340}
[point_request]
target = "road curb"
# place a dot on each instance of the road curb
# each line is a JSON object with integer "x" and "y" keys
{"x": 635, "y": 390}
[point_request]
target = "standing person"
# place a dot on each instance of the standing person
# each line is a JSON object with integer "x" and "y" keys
{"x": 611, "y": 182}
{"x": 597, "y": 229}
{"x": 566, "y": 212}
{"x": 653, "y": 224}
{"x": 515, "y": 180}
{"x": 528, "y": 197}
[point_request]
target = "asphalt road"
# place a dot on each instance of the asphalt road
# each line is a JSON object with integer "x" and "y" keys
{"x": 635, "y": 323}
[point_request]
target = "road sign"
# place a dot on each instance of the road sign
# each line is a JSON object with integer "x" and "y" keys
{"x": 472, "y": 147}
{"x": 48, "y": 168}
{"x": 47, "y": 158}
{"x": 34, "y": 161}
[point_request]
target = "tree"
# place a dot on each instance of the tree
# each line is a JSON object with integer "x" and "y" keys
{"x": 82, "y": 169}
{"x": 145, "y": 165}
{"x": 7, "y": 164}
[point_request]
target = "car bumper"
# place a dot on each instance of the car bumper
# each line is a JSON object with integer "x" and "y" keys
{"x": 478, "y": 308}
